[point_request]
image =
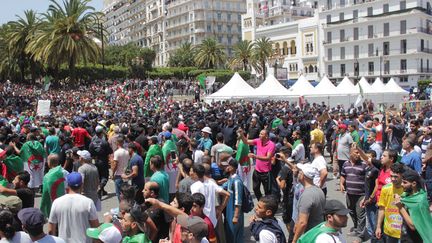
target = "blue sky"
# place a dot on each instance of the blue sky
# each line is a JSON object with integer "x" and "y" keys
{"x": 10, "y": 8}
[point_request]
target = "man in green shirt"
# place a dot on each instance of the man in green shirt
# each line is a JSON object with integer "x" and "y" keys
{"x": 160, "y": 177}
{"x": 133, "y": 226}
{"x": 354, "y": 134}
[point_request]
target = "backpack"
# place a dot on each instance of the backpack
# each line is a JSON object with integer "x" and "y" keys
{"x": 247, "y": 201}
{"x": 96, "y": 147}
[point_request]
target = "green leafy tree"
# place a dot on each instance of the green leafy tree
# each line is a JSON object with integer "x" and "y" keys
{"x": 262, "y": 50}
{"x": 243, "y": 55}
{"x": 210, "y": 54}
{"x": 182, "y": 57}
{"x": 66, "y": 35}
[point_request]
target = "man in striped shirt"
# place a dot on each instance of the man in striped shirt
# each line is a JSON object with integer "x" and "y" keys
{"x": 352, "y": 180}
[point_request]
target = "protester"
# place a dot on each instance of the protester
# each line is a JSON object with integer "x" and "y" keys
{"x": 33, "y": 222}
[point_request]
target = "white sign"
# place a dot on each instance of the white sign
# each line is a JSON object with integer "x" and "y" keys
{"x": 43, "y": 107}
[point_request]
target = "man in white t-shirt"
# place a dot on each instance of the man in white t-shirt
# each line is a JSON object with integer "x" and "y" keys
{"x": 209, "y": 189}
{"x": 73, "y": 229}
{"x": 320, "y": 164}
{"x": 118, "y": 165}
{"x": 196, "y": 229}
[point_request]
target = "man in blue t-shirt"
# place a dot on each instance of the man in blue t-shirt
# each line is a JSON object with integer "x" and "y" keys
{"x": 411, "y": 158}
{"x": 135, "y": 172}
{"x": 52, "y": 144}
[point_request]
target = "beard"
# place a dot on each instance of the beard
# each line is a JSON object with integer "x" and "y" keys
{"x": 408, "y": 190}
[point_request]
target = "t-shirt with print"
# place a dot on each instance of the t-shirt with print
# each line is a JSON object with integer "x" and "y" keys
{"x": 383, "y": 179}
{"x": 392, "y": 218}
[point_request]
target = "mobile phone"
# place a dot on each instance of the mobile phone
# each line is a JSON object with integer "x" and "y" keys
{"x": 173, "y": 155}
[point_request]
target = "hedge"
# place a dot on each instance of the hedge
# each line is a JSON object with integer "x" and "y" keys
{"x": 96, "y": 72}
{"x": 422, "y": 84}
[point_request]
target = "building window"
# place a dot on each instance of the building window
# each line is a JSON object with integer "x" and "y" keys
{"x": 403, "y": 65}
{"x": 229, "y": 40}
{"x": 403, "y": 47}
{"x": 342, "y": 35}
{"x": 371, "y": 50}
{"x": 386, "y": 48}
{"x": 342, "y": 69}
{"x": 355, "y": 14}
{"x": 342, "y": 53}
{"x": 370, "y": 31}
{"x": 341, "y": 16}
{"x": 219, "y": 28}
{"x": 328, "y": 19}
{"x": 422, "y": 45}
{"x": 369, "y": 11}
{"x": 208, "y": 28}
{"x": 402, "y": 5}
{"x": 330, "y": 70}
{"x": 403, "y": 27}
{"x": 386, "y": 29}
{"x": 355, "y": 33}
{"x": 229, "y": 28}
{"x": 329, "y": 37}
{"x": 371, "y": 68}
{"x": 385, "y": 8}
{"x": 219, "y": 16}
{"x": 386, "y": 66}
{"x": 356, "y": 51}
{"x": 342, "y": 3}
{"x": 239, "y": 18}
{"x": 228, "y": 16}
{"x": 329, "y": 54}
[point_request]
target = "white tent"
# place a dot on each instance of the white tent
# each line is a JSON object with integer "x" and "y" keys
{"x": 347, "y": 87}
{"x": 270, "y": 88}
{"x": 325, "y": 87}
{"x": 378, "y": 86}
{"x": 235, "y": 88}
{"x": 367, "y": 88}
{"x": 393, "y": 92}
{"x": 301, "y": 87}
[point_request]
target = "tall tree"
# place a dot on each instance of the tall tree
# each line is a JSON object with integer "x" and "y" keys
{"x": 210, "y": 54}
{"x": 66, "y": 35}
{"x": 18, "y": 35}
{"x": 183, "y": 56}
{"x": 262, "y": 50}
{"x": 243, "y": 54}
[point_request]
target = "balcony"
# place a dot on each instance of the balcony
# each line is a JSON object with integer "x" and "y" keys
{"x": 425, "y": 70}
{"x": 424, "y": 30}
{"x": 426, "y": 50}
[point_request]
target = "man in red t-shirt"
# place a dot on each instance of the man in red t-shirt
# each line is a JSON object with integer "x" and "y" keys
{"x": 388, "y": 158}
{"x": 78, "y": 135}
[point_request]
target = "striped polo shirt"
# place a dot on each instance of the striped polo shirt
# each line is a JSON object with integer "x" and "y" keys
{"x": 354, "y": 177}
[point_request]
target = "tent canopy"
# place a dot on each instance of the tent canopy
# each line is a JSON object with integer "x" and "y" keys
{"x": 393, "y": 87}
{"x": 302, "y": 87}
{"x": 236, "y": 87}
{"x": 365, "y": 86}
{"x": 378, "y": 86}
{"x": 270, "y": 87}
{"x": 324, "y": 87}
{"x": 347, "y": 87}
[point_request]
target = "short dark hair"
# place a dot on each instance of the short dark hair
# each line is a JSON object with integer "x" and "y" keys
{"x": 154, "y": 140}
{"x": 411, "y": 176}
{"x": 132, "y": 146}
{"x": 393, "y": 155}
{"x": 155, "y": 188}
{"x": 185, "y": 200}
{"x": 187, "y": 165}
{"x": 156, "y": 161}
{"x": 199, "y": 170}
{"x": 398, "y": 168}
{"x": 128, "y": 192}
{"x": 199, "y": 199}
{"x": 372, "y": 152}
{"x": 270, "y": 203}
{"x": 24, "y": 176}
{"x": 6, "y": 223}
{"x": 220, "y": 137}
{"x": 320, "y": 147}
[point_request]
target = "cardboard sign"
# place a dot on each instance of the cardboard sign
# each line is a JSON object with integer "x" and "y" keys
{"x": 43, "y": 107}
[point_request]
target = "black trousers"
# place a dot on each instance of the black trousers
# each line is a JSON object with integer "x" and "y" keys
{"x": 265, "y": 179}
{"x": 103, "y": 173}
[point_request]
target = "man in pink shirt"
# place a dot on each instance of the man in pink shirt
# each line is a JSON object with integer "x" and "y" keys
{"x": 265, "y": 151}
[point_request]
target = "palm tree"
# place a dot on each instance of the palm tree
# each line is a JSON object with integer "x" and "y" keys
{"x": 262, "y": 50}
{"x": 209, "y": 54}
{"x": 19, "y": 34}
{"x": 183, "y": 56}
{"x": 66, "y": 35}
{"x": 243, "y": 51}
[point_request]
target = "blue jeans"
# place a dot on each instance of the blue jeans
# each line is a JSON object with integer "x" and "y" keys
{"x": 371, "y": 216}
{"x": 118, "y": 181}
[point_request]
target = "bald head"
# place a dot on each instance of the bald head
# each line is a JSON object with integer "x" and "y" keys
{"x": 53, "y": 160}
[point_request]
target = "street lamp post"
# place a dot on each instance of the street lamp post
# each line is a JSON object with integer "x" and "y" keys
{"x": 356, "y": 69}
{"x": 275, "y": 67}
{"x": 380, "y": 60}
{"x": 103, "y": 50}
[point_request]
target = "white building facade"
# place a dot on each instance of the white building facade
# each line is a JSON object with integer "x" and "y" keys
{"x": 382, "y": 38}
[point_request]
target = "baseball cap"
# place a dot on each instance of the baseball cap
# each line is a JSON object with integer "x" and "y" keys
{"x": 13, "y": 203}
{"x": 166, "y": 134}
{"x": 308, "y": 170}
{"x": 31, "y": 217}
{"x": 194, "y": 224}
{"x": 342, "y": 126}
{"x": 107, "y": 233}
{"x": 206, "y": 130}
{"x": 335, "y": 207}
{"x": 84, "y": 154}
{"x": 74, "y": 179}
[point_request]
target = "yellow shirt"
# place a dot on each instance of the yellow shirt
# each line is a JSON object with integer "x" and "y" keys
{"x": 317, "y": 136}
{"x": 392, "y": 218}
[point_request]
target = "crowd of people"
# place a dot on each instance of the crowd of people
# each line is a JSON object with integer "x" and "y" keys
{"x": 187, "y": 171}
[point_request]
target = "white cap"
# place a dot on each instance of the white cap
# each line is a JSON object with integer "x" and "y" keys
{"x": 84, "y": 154}
{"x": 308, "y": 170}
{"x": 206, "y": 130}
{"x": 110, "y": 235}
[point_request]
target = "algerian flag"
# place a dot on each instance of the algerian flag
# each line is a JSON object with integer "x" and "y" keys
{"x": 32, "y": 153}
{"x": 359, "y": 97}
{"x": 167, "y": 148}
{"x": 418, "y": 208}
{"x": 154, "y": 150}
{"x": 276, "y": 122}
{"x": 242, "y": 153}
{"x": 202, "y": 81}
{"x": 53, "y": 187}
{"x": 14, "y": 165}
{"x": 47, "y": 82}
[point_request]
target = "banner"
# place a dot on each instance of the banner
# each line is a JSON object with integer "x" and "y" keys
{"x": 43, "y": 107}
{"x": 210, "y": 80}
